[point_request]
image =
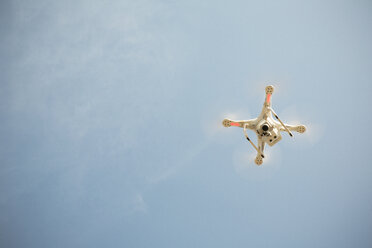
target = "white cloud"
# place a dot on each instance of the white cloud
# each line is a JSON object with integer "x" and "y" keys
{"x": 138, "y": 204}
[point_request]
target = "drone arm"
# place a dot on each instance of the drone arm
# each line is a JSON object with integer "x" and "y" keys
{"x": 250, "y": 124}
{"x": 260, "y": 155}
{"x": 296, "y": 128}
{"x": 269, "y": 91}
{"x": 261, "y": 145}
{"x": 284, "y": 126}
{"x": 250, "y": 141}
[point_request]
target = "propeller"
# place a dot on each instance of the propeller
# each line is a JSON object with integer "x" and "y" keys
{"x": 314, "y": 126}
{"x": 212, "y": 128}
{"x": 245, "y": 167}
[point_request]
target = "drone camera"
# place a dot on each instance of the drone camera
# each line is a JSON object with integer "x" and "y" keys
{"x": 265, "y": 127}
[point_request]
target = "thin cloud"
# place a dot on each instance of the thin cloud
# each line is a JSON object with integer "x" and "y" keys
{"x": 138, "y": 204}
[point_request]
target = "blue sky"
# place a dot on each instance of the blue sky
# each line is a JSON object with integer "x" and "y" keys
{"x": 111, "y": 130}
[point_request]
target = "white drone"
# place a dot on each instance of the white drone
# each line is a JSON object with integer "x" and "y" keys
{"x": 267, "y": 129}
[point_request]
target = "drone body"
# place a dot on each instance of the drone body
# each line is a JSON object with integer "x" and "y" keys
{"x": 267, "y": 129}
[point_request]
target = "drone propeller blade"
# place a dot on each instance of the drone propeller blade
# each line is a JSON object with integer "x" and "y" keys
{"x": 315, "y": 128}
{"x": 243, "y": 166}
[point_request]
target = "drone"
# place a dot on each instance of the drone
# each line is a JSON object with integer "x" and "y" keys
{"x": 267, "y": 129}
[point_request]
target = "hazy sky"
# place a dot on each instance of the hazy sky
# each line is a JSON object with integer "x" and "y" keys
{"x": 111, "y": 135}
